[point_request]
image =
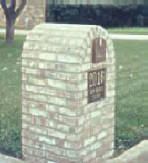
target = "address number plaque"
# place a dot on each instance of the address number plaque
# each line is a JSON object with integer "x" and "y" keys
{"x": 96, "y": 84}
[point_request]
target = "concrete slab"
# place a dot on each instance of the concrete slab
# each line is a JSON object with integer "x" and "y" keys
{"x": 7, "y": 159}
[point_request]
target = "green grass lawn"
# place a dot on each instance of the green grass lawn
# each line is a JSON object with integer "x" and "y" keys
{"x": 131, "y": 99}
{"x": 129, "y": 30}
{"x": 132, "y": 93}
{"x": 10, "y": 97}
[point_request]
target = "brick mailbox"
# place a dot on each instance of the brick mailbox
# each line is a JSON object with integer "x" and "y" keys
{"x": 68, "y": 76}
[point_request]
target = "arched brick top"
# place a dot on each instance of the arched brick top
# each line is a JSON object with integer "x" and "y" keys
{"x": 74, "y": 41}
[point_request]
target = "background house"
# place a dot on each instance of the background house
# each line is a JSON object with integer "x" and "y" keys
{"x": 96, "y": 2}
{"x": 100, "y": 12}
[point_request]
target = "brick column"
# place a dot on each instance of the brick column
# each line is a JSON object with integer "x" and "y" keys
{"x": 63, "y": 120}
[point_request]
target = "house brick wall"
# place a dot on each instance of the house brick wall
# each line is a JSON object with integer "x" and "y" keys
{"x": 58, "y": 124}
{"x": 32, "y": 15}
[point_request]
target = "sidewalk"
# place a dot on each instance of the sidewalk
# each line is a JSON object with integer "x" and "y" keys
{"x": 17, "y": 31}
{"x": 113, "y": 36}
{"x": 128, "y": 37}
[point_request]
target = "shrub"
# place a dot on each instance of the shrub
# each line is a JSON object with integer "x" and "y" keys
{"x": 107, "y": 16}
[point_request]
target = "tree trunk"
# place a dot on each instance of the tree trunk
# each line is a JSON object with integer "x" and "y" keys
{"x": 10, "y": 29}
